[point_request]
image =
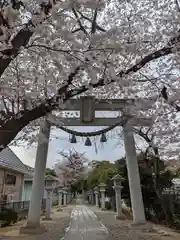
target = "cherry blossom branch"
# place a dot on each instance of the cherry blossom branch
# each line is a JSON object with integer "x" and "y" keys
{"x": 90, "y": 20}
{"x": 16, "y": 123}
{"x": 23, "y": 36}
{"x": 51, "y": 104}
{"x": 147, "y": 59}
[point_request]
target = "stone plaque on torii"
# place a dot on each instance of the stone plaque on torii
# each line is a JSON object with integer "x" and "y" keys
{"x": 87, "y": 107}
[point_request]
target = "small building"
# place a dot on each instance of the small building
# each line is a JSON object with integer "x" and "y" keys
{"x": 28, "y": 182}
{"x": 12, "y": 172}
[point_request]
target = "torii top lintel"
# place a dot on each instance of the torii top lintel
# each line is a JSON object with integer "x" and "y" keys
{"x": 87, "y": 105}
{"x": 101, "y": 104}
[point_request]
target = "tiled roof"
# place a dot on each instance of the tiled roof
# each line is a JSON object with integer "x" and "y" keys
{"x": 8, "y": 159}
{"x": 30, "y": 173}
{"x": 30, "y": 169}
{"x": 50, "y": 177}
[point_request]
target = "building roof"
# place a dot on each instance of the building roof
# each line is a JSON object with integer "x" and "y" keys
{"x": 30, "y": 169}
{"x": 50, "y": 177}
{"x": 30, "y": 172}
{"x": 8, "y": 159}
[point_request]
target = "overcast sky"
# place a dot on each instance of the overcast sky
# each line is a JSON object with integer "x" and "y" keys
{"x": 112, "y": 150}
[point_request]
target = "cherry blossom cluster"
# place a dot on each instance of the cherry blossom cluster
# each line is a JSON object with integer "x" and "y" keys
{"x": 56, "y": 50}
{"x": 71, "y": 167}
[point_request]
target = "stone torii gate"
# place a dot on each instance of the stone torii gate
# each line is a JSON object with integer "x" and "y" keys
{"x": 87, "y": 107}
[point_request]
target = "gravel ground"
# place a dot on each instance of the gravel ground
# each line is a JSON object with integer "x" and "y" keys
{"x": 121, "y": 230}
{"x": 55, "y": 228}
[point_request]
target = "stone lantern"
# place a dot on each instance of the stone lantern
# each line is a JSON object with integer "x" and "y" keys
{"x": 69, "y": 197}
{"x": 50, "y": 181}
{"x": 102, "y": 188}
{"x": 60, "y": 193}
{"x": 49, "y": 184}
{"x": 117, "y": 187}
{"x": 65, "y": 191}
{"x": 91, "y": 193}
{"x": 96, "y": 191}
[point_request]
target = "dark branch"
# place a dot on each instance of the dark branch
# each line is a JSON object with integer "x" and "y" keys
{"x": 90, "y": 20}
{"x": 93, "y": 27}
{"x": 81, "y": 27}
{"x": 164, "y": 95}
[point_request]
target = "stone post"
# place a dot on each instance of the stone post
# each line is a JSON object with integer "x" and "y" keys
{"x": 65, "y": 189}
{"x": 33, "y": 222}
{"x": 133, "y": 176}
{"x": 60, "y": 193}
{"x": 102, "y": 188}
{"x": 117, "y": 187}
{"x": 72, "y": 197}
{"x": 88, "y": 199}
{"x": 49, "y": 191}
{"x": 68, "y": 197}
{"x": 91, "y": 196}
{"x": 96, "y": 191}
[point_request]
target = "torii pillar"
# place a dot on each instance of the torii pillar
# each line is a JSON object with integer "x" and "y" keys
{"x": 133, "y": 176}
{"x": 33, "y": 223}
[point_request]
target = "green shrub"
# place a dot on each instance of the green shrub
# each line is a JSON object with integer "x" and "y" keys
{"x": 55, "y": 203}
{"x": 8, "y": 216}
{"x": 108, "y": 205}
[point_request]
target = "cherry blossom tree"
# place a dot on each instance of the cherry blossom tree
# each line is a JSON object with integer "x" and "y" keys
{"x": 57, "y": 50}
{"x": 20, "y": 97}
{"x": 71, "y": 167}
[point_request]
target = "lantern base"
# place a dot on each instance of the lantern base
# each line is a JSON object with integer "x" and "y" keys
{"x": 122, "y": 217}
{"x": 31, "y": 230}
{"x": 59, "y": 210}
{"x": 143, "y": 226}
{"x": 47, "y": 218}
{"x": 103, "y": 209}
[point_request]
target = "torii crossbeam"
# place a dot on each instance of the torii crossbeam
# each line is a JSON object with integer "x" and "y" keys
{"x": 87, "y": 106}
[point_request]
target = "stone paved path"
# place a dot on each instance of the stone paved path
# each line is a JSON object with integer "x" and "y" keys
{"x": 85, "y": 226}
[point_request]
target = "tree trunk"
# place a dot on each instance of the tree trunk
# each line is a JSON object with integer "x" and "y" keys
{"x": 157, "y": 187}
{"x": 21, "y": 39}
{"x": 14, "y": 125}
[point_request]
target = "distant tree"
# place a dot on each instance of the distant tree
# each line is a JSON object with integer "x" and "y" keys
{"x": 50, "y": 171}
{"x": 152, "y": 202}
{"x": 101, "y": 172}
